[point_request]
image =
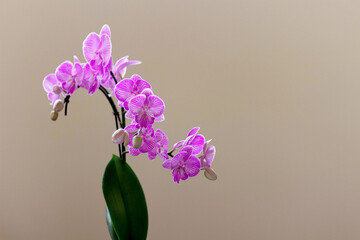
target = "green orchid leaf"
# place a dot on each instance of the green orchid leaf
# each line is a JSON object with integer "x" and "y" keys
{"x": 125, "y": 201}
{"x": 110, "y": 226}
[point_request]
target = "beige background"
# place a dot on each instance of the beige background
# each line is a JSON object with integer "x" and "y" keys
{"x": 275, "y": 84}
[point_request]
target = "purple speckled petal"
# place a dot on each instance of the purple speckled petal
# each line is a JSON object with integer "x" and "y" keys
{"x": 124, "y": 89}
{"x": 152, "y": 155}
{"x": 192, "y": 166}
{"x": 49, "y": 82}
{"x": 53, "y": 97}
{"x": 156, "y": 105}
{"x": 76, "y": 60}
{"x": 94, "y": 86}
{"x": 188, "y": 150}
{"x": 160, "y": 118}
{"x": 134, "y": 151}
{"x": 178, "y": 144}
{"x": 197, "y": 143}
{"x": 178, "y": 159}
{"x": 105, "y": 30}
{"x": 183, "y": 174}
{"x": 129, "y": 115}
{"x": 64, "y": 72}
{"x": 132, "y": 128}
{"x": 140, "y": 84}
{"x": 167, "y": 164}
{"x": 122, "y": 67}
{"x": 91, "y": 46}
{"x": 164, "y": 139}
{"x": 147, "y": 146}
{"x": 136, "y": 77}
{"x": 69, "y": 86}
{"x": 209, "y": 156}
{"x": 176, "y": 175}
{"x": 119, "y": 62}
{"x": 136, "y": 104}
{"x": 88, "y": 77}
{"x": 105, "y": 48}
{"x": 118, "y": 70}
{"x": 164, "y": 156}
{"x": 193, "y": 131}
{"x": 79, "y": 73}
{"x": 143, "y": 119}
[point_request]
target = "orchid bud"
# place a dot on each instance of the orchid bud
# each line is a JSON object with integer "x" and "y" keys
{"x": 54, "y": 115}
{"x": 126, "y": 140}
{"x": 58, "y": 105}
{"x": 137, "y": 141}
{"x": 210, "y": 174}
{"x": 121, "y": 136}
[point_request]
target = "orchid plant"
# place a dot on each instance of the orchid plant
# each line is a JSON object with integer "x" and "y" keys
{"x": 126, "y": 211}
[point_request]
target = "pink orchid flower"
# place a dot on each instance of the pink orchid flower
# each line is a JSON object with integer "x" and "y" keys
{"x": 146, "y": 107}
{"x": 208, "y": 155}
{"x": 97, "y": 48}
{"x": 119, "y": 69}
{"x": 196, "y": 141}
{"x": 183, "y": 165}
{"x": 153, "y": 143}
{"x": 70, "y": 76}
{"x": 126, "y": 89}
{"x": 161, "y": 146}
{"x": 148, "y": 142}
{"x": 53, "y": 88}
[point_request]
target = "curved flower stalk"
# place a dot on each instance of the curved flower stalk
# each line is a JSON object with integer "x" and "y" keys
{"x": 139, "y": 104}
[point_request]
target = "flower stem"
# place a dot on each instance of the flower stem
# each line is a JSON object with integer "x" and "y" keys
{"x": 122, "y": 121}
{"x": 66, "y": 100}
{"x": 123, "y": 126}
{"x": 113, "y": 76}
{"x": 117, "y": 118}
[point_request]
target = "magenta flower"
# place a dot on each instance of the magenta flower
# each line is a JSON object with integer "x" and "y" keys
{"x": 106, "y": 79}
{"x": 208, "y": 155}
{"x": 153, "y": 143}
{"x": 126, "y": 89}
{"x": 90, "y": 82}
{"x": 92, "y": 78}
{"x": 161, "y": 146}
{"x": 120, "y": 67}
{"x": 97, "y": 48}
{"x": 183, "y": 165}
{"x": 146, "y": 107}
{"x": 148, "y": 142}
{"x": 53, "y": 87}
{"x": 70, "y": 76}
{"x": 196, "y": 141}
{"x": 160, "y": 118}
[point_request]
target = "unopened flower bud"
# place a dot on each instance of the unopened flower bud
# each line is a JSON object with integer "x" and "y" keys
{"x": 210, "y": 174}
{"x": 54, "y": 115}
{"x": 121, "y": 136}
{"x": 126, "y": 140}
{"x": 56, "y": 90}
{"x": 137, "y": 141}
{"x": 58, "y": 105}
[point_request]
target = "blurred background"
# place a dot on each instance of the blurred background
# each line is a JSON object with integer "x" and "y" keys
{"x": 275, "y": 84}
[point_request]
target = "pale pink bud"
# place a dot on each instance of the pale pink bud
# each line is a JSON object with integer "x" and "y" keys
{"x": 137, "y": 141}
{"x": 121, "y": 136}
{"x": 58, "y": 105}
{"x": 126, "y": 140}
{"x": 210, "y": 174}
{"x": 54, "y": 115}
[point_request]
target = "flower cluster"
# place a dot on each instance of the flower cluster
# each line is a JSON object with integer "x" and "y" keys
{"x": 138, "y": 103}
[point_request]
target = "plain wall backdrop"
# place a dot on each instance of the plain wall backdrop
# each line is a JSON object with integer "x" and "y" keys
{"x": 275, "y": 84}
